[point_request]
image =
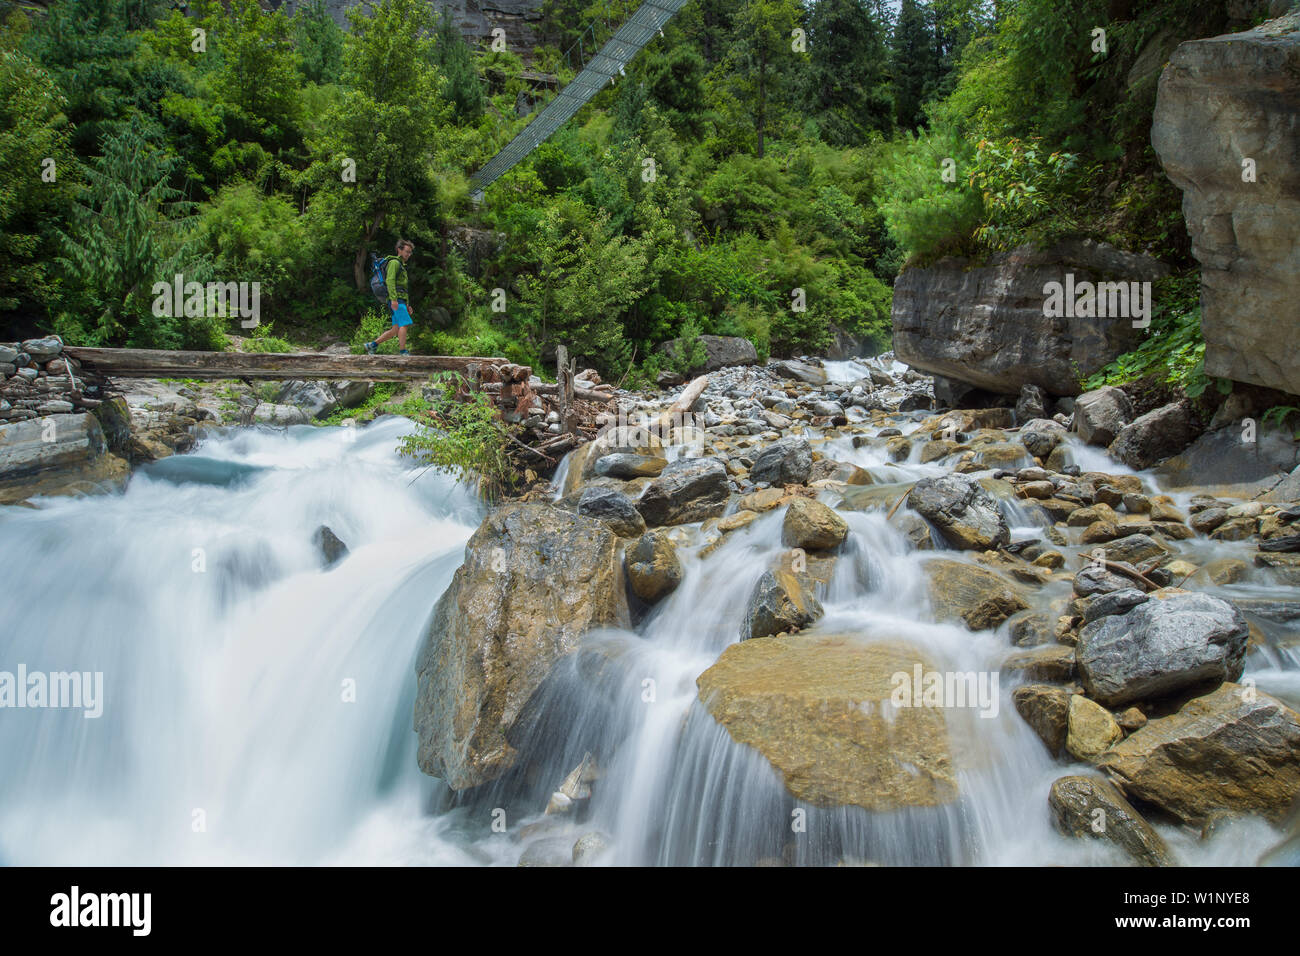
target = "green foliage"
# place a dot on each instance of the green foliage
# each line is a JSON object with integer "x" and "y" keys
{"x": 319, "y": 41}
{"x": 1021, "y": 186}
{"x": 1173, "y": 350}
{"x": 927, "y": 214}
{"x": 33, "y": 133}
{"x": 465, "y": 438}
{"x": 264, "y": 339}
{"x": 125, "y": 235}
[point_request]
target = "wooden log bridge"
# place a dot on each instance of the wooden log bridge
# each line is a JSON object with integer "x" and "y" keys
{"x": 310, "y": 366}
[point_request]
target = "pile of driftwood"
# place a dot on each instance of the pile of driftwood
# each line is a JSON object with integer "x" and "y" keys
{"x": 550, "y": 418}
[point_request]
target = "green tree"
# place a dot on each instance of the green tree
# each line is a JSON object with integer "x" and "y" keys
{"x": 762, "y": 62}
{"x": 125, "y": 234}
{"x": 34, "y": 145}
{"x": 319, "y": 41}
{"x": 847, "y": 86}
{"x": 373, "y": 157}
{"x": 915, "y": 68}
{"x": 258, "y": 79}
{"x": 461, "y": 84}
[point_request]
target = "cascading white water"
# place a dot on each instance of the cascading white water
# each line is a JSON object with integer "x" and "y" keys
{"x": 226, "y": 735}
{"x": 229, "y": 655}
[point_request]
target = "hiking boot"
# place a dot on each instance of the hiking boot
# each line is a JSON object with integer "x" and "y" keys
{"x": 404, "y": 352}
{"x": 371, "y": 348}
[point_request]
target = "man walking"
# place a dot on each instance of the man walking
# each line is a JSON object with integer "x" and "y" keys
{"x": 395, "y": 285}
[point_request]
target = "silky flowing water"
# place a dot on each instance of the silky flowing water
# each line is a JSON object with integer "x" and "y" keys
{"x": 257, "y": 707}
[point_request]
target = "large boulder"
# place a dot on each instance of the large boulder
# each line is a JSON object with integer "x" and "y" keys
{"x": 1174, "y": 642}
{"x": 1233, "y": 750}
{"x": 1155, "y": 436}
{"x": 1221, "y": 457}
{"x": 638, "y": 440}
{"x": 688, "y": 490}
{"x": 1100, "y": 415}
{"x": 56, "y": 455}
{"x": 979, "y": 597}
{"x": 1075, "y": 803}
{"x": 720, "y": 351}
{"x": 819, "y": 708}
{"x": 811, "y": 525}
{"x": 534, "y": 581}
{"x": 614, "y": 508}
{"x": 784, "y": 462}
{"x": 1224, "y": 129}
{"x": 965, "y": 513}
{"x": 984, "y": 324}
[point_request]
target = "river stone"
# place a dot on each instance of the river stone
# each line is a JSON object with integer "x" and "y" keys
{"x": 614, "y": 508}
{"x": 534, "y": 581}
{"x": 819, "y": 708}
{"x": 1100, "y": 415}
{"x": 1246, "y": 236}
{"x": 1176, "y": 641}
{"x": 1031, "y": 404}
{"x": 315, "y": 398}
{"x": 1135, "y": 548}
{"x": 799, "y": 371}
{"x": 1155, "y": 436}
{"x": 630, "y": 439}
{"x": 1074, "y": 802}
{"x": 1041, "y": 436}
{"x": 979, "y": 597}
{"x": 1090, "y": 729}
{"x": 1114, "y": 602}
{"x": 688, "y": 490}
{"x": 781, "y": 601}
{"x": 1232, "y": 750}
{"x": 653, "y": 568}
{"x": 42, "y": 350}
{"x": 331, "y": 549}
{"x": 1045, "y": 708}
{"x": 268, "y": 413}
{"x": 966, "y": 514}
{"x": 828, "y": 468}
{"x": 720, "y": 351}
{"x": 625, "y": 465}
{"x": 811, "y": 525}
{"x": 784, "y": 462}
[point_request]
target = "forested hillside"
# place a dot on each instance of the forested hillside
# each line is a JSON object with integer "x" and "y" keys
{"x": 764, "y": 169}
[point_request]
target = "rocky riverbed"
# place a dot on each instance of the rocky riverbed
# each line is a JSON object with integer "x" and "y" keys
{"x": 1130, "y": 621}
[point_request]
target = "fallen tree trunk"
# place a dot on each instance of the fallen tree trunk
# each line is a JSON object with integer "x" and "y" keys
{"x": 548, "y": 388}
{"x": 684, "y": 401}
{"x": 163, "y": 363}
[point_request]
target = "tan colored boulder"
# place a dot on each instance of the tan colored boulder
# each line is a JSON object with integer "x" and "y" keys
{"x": 1234, "y": 750}
{"x": 811, "y": 525}
{"x": 1091, "y": 807}
{"x": 1091, "y": 730}
{"x": 818, "y": 708}
{"x": 980, "y": 598}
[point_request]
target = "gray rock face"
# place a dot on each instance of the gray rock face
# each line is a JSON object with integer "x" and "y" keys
{"x": 1031, "y": 404}
{"x": 535, "y": 579}
{"x": 58, "y": 454}
{"x": 688, "y": 490}
{"x": 1221, "y": 101}
{"x": 965, "y": 513}
{"x": 984, "y": 324}
{"x": 1161, "y": 647}
{"x": 720, "y": 351}
{"x": 799, "y": 371}
{"x": 784, "y": 462}
{"x": 1075, "y": 801}
{"x": 614, "y": 508}
{"x": 1100, "y": 415}
{"x": 1220, "y": 457}
{"x": 1155, "y": 436}
{"x": 474, "y": 18}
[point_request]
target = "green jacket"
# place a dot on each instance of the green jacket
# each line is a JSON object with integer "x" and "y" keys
{"x": 395, "y": 279}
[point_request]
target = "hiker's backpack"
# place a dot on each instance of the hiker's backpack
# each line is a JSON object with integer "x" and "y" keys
{"x": 378, "y": 283}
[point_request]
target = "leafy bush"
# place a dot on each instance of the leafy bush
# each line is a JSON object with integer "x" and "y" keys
{"x": 464, "y": 438}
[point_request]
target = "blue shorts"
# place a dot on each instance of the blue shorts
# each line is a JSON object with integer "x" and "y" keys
{"x": 399, "y": 315}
